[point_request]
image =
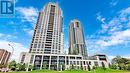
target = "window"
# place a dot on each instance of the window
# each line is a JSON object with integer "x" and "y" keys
{"x": 52, "y": 8}
{"x": 77, "y": 62}
{"x": 89, "y": 62}
{"x": 31, "y": 60}
{"x": 77, "y": 24}
{"x": 39, "y": 45}
{"x": 96, "y": 63}
{"x": 74, "y": 62}
{"x": 35, "y": 45}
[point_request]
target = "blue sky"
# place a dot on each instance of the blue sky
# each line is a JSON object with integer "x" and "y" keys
{"x": 106, "y": 25}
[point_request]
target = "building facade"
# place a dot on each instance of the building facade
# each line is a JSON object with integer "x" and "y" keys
{"x": 48, "y": 35}
{"x": 63, "y": 61}
{"x": 76, "y": 39}
{"x": 47, "y": 51}
{"x": 4, "y": 56}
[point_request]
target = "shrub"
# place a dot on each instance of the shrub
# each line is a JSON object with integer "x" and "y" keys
{"x": 113, "y": 66}
{"x": 128, "y": 67}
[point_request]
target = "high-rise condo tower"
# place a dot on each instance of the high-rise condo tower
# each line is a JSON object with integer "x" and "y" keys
{"x": 77, "y": 44}
{"x": 48, "y": 34}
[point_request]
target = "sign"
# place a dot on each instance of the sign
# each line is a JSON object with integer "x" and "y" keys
{"x": 7, "y": 8}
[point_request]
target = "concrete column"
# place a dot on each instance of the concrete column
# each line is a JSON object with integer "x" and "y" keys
{"x": 69, "y": 61}
{"x": 76, "y": 62}
{"x": 41, "y": 63}
{"x": 33, "y": 59}
{"x": 49, "y": 62}
{"x": 65, "y": 62}
{"x": 27, "y": 68}
{"x": 57, "y": 62}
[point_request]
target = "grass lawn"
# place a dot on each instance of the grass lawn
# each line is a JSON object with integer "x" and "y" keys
{"x": 76, "y": 71}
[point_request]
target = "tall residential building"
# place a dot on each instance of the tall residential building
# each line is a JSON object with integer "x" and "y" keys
{"x": 48, "y": 34}
{"x": 46, "y": 50}
{"x": 4, "y": 56}
{"x": 77, "y": 44}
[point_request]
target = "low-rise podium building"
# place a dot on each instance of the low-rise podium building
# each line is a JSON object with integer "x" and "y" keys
{"x": 64, "y": 61}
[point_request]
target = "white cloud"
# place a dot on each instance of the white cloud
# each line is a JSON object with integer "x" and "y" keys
{"x": 18, "y": 48}
{"x": 7, "y": 36}
{"x": 117, "y": 23}
{"x": 116, "y": 38}
{"x": 110, "y": 57}
{"x": 28, "y": 14}
{"x": 113, "y": 32}
{"x": 29, "y": 31}
{"x": 1, "y": 34}
{"x": 100, "y": 18}
{"x": 92, "y": 46}
{"x": 114, "y": 2}
{"x": 117, "y": 29}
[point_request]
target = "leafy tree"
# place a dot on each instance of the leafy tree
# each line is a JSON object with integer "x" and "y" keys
{"x": 94, "y": 69}
{"x": 18, "y": 66}
{"x": 81, "y": 66}
{"x": 89, "y": 69}
{"x": 23, "y": 67}
{"x": 121, "y": 63}
{"x": 121, "y": 66}
{"x": 128, "y": 67}
{"x": 3, "y": 65}
{"x": 119, "y": 60}
{"x": 72, "y": 66}
{"x": 103, "y": 66}
{"x": 12, "y": 65}
{"x": 113, "y": 66}
{"x": 75, "y": 51}
{"x": 31, "y": 67}
{"x": 116, "y": 60}
{"x": 44, "y": 65}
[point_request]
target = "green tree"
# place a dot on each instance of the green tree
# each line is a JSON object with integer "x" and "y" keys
{"x": 89, "y": 69}
{"x": 31, "y": 67}
{"x": 44, "y": 65}
{"x": 72, "y": 67}
{"x": 12, "y": 65}
{"x": 103, "y": 66}
{"x": 75, "y": 51}
{"x": 113, "y": 66}
{"x": 116, "y": 60}
{"x": 3, "y": 65}
{"x": 120, "y": 62}
{"x": 81, "y": 66}
{"x": 18, "y": 66}
{"x": 128, "y": 67}
{"x": 23, "y": 67}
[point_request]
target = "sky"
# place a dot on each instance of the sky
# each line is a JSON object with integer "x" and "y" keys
{"x": 106, "y": 25}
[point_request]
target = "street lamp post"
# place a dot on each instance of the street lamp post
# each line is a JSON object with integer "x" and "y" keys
{"x": 12, "y": 50}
